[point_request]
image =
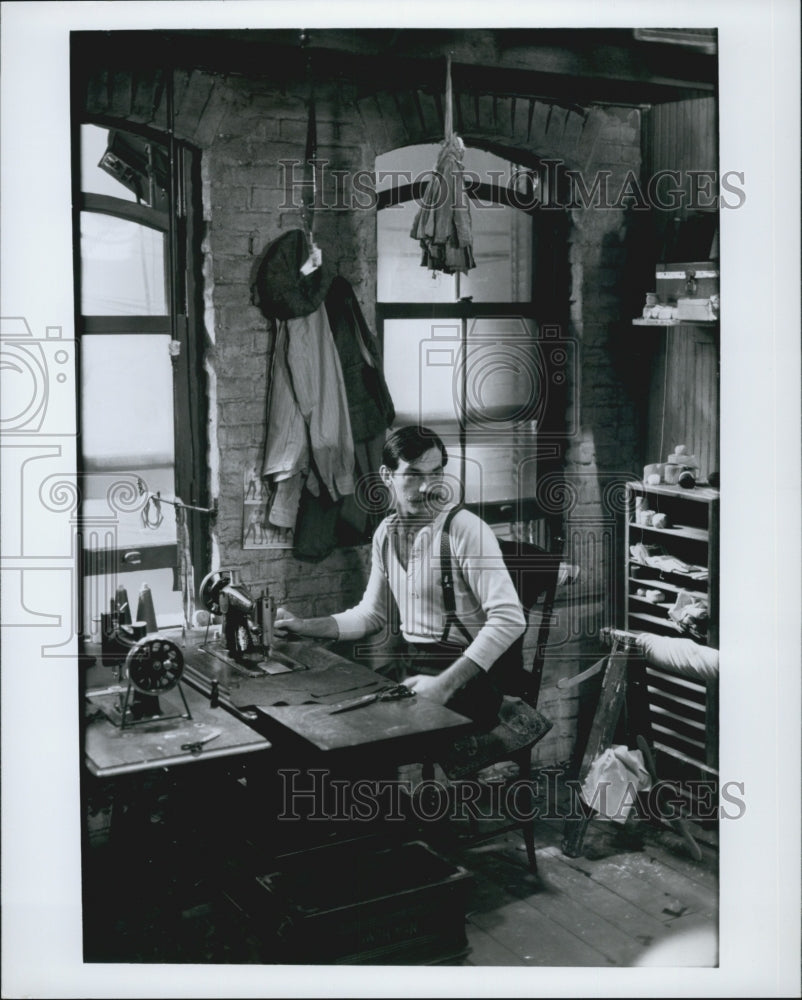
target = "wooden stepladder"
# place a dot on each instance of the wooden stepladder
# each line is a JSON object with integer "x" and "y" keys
{"x": 623, "y": 689}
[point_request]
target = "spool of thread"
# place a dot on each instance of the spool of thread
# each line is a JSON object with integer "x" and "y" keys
{"x": 131, "y": 634}
{"x": 680, "y": 457}
{"x": 145, "y": 611}
{"x": 139, "y": 630}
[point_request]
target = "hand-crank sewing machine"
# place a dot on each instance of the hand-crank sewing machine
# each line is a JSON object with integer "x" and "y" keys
{"x": 147, "y": 666}
{"x": 247, "y": 621}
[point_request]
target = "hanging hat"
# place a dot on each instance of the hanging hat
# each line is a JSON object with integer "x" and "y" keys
{"x": 281, "y": 290}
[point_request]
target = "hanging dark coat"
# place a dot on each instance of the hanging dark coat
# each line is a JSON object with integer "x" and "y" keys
{"x": 322, "y": 523}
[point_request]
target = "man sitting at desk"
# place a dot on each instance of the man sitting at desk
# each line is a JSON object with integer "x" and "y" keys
{"x": 452, "y": 663}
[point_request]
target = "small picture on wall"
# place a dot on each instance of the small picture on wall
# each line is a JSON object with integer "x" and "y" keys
{"x": 257, "y": 532}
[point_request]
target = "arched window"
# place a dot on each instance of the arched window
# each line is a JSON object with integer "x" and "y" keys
{"x": 463, "y": 352}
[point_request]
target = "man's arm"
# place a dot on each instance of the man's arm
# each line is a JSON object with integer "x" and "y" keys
{"x": 365, "y": 618}
{"x": 312, "y": 628}
{"x": 476, "y": 552}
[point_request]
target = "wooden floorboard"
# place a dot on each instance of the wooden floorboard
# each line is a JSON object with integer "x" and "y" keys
{"x": 646, "y": 884}
{"x": 534, "y": 938}
{"x": 638, "y": 929}
{"x": 673, "y": 853}
{"x": 627, "y": 893}
{"x": 487, "y": 950}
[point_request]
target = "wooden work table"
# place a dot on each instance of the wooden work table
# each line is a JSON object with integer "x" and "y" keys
{"x": 111, "y": 750}
{"x": 293, "y": 705}
{"x": 283, "y": 703}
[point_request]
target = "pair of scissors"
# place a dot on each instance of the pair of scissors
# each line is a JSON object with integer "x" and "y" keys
{"x": 394, "y": 693}
{"x": 196, "y": 747}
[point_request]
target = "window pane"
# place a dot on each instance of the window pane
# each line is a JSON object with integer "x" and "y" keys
{"x": 112, "y": 526}
{"x": 111, "y": 498}
{"x": 99, "y": 590}
{"x": 493, "y": 385}
{"x": 405, "y": 165}
{"x": 503, "y": 376}
{"x": 126, "y": 400}
{"x": 421, "y": 364}
{"x": 501, "y": 384}
{"x": 122, "y": 268}
{"x": 126, "y": 435}
{"x": 503, "y": 468}
{"x": 502, "y": 248}
{"x": 399, "y": 274}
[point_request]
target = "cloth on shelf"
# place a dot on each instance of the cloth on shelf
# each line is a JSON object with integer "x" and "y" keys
{"x": 656, "y": 558}
{"x": 680, "y": 656}
{"x": 691, "y": 614}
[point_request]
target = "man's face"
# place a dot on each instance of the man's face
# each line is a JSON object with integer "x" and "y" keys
{"x": 417, "y": 485}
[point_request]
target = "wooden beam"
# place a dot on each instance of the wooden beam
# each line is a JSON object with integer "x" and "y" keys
{"x": 581, "y": 65}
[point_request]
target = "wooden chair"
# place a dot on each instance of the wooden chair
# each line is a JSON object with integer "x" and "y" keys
{"x": 521, "y": 726}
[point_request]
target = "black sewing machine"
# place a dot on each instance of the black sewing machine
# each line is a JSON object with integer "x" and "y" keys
{"x": 247, "y": 621}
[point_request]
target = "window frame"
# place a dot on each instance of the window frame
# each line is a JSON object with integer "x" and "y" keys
{"x": 181, "y": 225}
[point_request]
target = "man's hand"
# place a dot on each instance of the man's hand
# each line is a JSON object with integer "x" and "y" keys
{"x": 285, "y": 621}
{"x": 442, "y": 687}
{"x": 432, "y": 688}
{"x": 313, "y": 628}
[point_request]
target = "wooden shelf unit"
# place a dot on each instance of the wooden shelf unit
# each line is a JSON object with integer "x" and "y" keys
{"x": 683, "y": 713}
{"x": 690, "y": 535}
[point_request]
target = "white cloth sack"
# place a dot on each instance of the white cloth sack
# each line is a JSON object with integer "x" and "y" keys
{"x": 613, "y": 781}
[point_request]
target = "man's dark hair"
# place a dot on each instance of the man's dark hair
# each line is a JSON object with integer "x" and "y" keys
{"x": 408, "y": 444}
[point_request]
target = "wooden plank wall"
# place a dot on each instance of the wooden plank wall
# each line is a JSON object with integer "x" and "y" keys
{"x": 684, "y": 395}
{"x": 680, "y": 136}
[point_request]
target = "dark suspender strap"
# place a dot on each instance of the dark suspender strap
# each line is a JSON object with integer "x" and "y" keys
{"x": 386, "y": 546}
{"x": 449, "y": 600}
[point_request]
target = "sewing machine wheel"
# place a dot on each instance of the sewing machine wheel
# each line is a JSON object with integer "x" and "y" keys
{"x": 154, "y": 665}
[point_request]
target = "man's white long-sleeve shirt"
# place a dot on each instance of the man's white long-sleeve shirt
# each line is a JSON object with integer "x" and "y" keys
{"x": 486, "y": 600}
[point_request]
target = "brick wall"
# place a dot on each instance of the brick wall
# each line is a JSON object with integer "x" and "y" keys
{"x": 249, "y": 199}
{"x": 244, "y": 127}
